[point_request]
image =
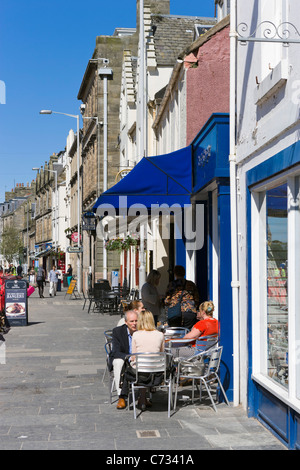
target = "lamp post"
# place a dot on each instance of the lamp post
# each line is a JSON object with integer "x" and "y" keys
{"x": 48, "y": 111}
{"x": 56, "y": 205}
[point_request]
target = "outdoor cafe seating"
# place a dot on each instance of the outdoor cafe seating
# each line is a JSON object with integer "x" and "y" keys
{"x": 203, "y": 367}
{"x": 152, "y": 363}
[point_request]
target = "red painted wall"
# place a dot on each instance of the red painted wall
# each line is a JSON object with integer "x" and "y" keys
{"x": 208, "y": 83}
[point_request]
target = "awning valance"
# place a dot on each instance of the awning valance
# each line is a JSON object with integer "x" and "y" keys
{"x": 165, "y": 179}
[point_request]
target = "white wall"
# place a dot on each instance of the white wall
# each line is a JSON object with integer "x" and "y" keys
{"x": 268, "y": 97}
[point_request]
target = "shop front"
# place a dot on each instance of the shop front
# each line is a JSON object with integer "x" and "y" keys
{"x": 273, "y": 226}
{"x": 148, "y": 205}
{"x": 212, "y": 257}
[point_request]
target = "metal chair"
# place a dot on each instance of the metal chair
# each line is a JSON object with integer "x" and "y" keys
{"x": 203, "y": 367}
{"x": 203, "y": 343}
{"x": 174, "y": 331}
{"x": 107, "y": 302}
{"x": 108, "y": 339}
{"x": 150, "y": 363}
{"x": 112, "y": 385}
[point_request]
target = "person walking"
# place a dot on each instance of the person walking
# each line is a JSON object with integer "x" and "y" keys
{"x": 53, "y": 279}
{"x": 19, "y": 270}
{"x": 40, "y": 280}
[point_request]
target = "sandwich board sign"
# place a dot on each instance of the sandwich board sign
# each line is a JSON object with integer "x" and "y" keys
{"x": 16, "y": 303}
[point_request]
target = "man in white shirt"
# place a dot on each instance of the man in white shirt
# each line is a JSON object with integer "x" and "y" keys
{"x": 53, "y": 278}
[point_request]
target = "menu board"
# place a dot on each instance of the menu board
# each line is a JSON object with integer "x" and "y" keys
{"x": 16, "y": 306}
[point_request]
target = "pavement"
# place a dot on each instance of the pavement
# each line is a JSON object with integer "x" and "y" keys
{"x": 53, "y": 396}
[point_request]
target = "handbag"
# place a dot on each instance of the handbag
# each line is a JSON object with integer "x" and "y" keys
{"x": 175, "y": 311}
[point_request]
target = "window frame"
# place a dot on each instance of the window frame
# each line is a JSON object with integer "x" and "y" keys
{"x": 291, "y": 394}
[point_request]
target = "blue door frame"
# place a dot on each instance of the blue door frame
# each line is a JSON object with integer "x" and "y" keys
{"x": 210, "y": 150}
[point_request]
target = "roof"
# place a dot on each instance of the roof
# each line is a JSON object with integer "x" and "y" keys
{"x": 172, "y": 34}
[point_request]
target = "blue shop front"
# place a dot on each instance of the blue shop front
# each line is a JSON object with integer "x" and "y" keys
{"x": 273, "y": 274}
{"x": 212, "y": 262}
{"x": 196, "y": 181}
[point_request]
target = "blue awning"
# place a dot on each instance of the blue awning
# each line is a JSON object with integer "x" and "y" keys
{"x": 165, "y": 179}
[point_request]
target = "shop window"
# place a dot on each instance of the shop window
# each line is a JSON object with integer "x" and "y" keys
{"x": 277, "y": 283}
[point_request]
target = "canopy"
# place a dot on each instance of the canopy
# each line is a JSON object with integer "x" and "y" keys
{"x": 165, "y": 179}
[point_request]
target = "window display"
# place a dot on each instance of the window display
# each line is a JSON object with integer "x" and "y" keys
{"x": 277, "y": 283}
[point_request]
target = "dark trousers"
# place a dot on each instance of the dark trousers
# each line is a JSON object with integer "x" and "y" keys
{"x": 41, "y": 287}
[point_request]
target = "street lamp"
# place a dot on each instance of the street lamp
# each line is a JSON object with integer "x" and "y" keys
{"x": 48, "y": 111}
{"x": 56, "y": 205}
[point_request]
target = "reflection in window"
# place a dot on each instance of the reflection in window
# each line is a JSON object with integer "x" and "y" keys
{"x": 277, "y": 283}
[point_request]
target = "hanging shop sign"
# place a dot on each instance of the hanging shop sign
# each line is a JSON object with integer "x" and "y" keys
{"x": 74, "y": 237}
{"x": 74, "y": 249}
{"x": 89, "y": 221}
{"x": 16, "y": 305}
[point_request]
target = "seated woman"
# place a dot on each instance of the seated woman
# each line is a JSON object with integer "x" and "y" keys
{"x": 136, "y": 306}
{"x": 207, "y": 325}
{"x": 145, "y": 339}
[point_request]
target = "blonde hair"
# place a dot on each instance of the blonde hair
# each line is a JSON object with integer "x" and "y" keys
{"x": 153, "y": 277}
{"x": 207, "y": 307}
{"x": 146, "y": 321}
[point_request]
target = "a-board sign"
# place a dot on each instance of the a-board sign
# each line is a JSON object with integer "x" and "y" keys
{"x": 71, "y": 286}
{"x": 16, "y": 304}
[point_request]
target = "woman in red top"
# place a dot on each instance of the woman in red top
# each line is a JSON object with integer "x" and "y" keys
{"x": 207, "y": 325}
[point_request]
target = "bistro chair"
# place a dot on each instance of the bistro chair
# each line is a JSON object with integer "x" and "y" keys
{"x": 151, "y": 363}
{"x": 112, "y": 385}
{"x": 107, "y": 302}
{"x": 203, "y": 343}
{"x": 108, "y": 339}
{"x": 203, "y": 367}
{"x": 174, "y": 331}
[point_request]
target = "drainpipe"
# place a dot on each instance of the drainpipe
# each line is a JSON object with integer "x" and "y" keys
{"x": 142, "y": 119}
{"x": 235, "y": 283}
{"x": 104, "y": 73}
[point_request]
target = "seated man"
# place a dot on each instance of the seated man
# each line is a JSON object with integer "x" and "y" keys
{"x": 121, "y": 346}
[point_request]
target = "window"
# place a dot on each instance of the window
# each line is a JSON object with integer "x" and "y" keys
{"x": 275, "y": 267}
{"x": 277, "y": 280}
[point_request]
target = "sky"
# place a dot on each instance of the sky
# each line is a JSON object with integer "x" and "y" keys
{"x": 45, "y": 46}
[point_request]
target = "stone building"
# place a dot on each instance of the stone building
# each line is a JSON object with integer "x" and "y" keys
{"x": 100, "y": 96}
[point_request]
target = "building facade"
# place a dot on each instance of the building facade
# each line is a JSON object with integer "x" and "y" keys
{"x": 267, "y": 162}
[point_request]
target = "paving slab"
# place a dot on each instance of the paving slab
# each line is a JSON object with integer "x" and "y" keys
{"x": 53, "y": 396}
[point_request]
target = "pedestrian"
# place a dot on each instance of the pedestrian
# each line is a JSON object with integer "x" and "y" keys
{"x": 40, "y": 280}
{"x": 69, "y": 274}
{"x": 19, "y": 270}
{"x": 53, "y": 279}
{"x": 150, "y": 296}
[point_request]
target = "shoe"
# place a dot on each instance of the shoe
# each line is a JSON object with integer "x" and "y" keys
{"x": 50, "y": 295}
{"x": 143, "y": 405}
{"x": 121, "y": 404}
{"x": 185, "y": 382}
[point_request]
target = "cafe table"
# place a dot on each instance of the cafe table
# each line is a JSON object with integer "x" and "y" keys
{"x": 180, "y": 348}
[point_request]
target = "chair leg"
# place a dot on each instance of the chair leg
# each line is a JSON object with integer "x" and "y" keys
{"x": 176, "y": 390}
{"x": 223, "y": 391}
{"x": 210, "y": 396}
{"x": 133, "y": 401}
